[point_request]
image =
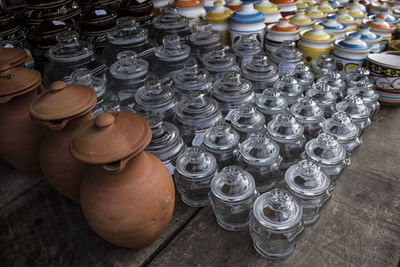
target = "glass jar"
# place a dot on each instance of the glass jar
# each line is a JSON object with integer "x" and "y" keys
{"x": 110, "y": 104}
{"x": 286, "y": 57}
{"x": 289, "y": 89}
{"x": 345, "y": 131}
{"x": 191, "y": 78}
{"x": 336, "y": 83}
{"x": 223, "y": 142}
{"x": 307, "y": 112}
{"x": 325, "y": 63}
{"x": 329, "y": 155}
{"x": 271, "y": 103}
{"x": 233, "y": 192}
{"x": 195, "y": 169}
{"x": 246, "y": 48}
{"x": 127, "y": 75}
{"x": 309, "y": 185}
{"x": 247, "y": 120}
{"x": 356, "y": 75}
{"x": 259, "y": 156}
{"x": 219, "y": 61}
{"x": 166, "y": 142}
{"x": 276, "y": 224}
{"x": 127, "y": 36}
{"x": 365, "y": 90}
{"x": 303, "y": 76}
{"x": 204, "y": 40}
{"x": 155, "y": 99}
{"x": 68, "y": 55}
{"x": 232, "y": 91}
{"x": 324, "y": 98}
{"x": 194, "y": 115}
{"x": 288, "y": 133}
{"x": 261, "y": 72}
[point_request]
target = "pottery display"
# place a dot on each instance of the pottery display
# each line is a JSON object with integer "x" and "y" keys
{"x": 193, "y": 10}
{"x": 356, "y": 13}
{"x": 140, "y": 10}
{"x": 344, "y": 17}
{"x": 288, "y": 7}
{"x": 372, "y": 39}
{"x": 124, "y": 181}
{"x": 331, "y": 25}
{"x": 301, "y": 20}
{"x": 14, "y": 57}
{"x": 314, "y": 13}
{"x": 219, "y": 19}
{"x": 234, "y": 5}
{"x": 389, "y": 17}
{"x": 381, "y": 27}
{"x": 302, "y": 5}
{"x": 279, "y": 32}
{"x": 272, "y": 12}
{"x": 326, "y": 7}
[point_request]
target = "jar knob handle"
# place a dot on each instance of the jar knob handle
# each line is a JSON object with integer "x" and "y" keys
{"x": 57, "y": 86}
{"x": 104, "y": 120}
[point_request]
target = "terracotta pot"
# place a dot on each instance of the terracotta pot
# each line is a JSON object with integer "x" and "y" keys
{"x": 13, "y": 56}
{"x": 62, "y": 109}
{"x": 19, "y": 136}
{"x": 128, "y": 197}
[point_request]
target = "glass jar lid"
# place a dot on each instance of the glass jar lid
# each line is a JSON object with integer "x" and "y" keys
{"x": 248, "y": 45}
{"x": 169, "y": 19}
{"x": 358, "y": 74}
{"x": 259, "y": 149}
{"x": 323, "y": 64}
{"x": 306, "y": 179}
{"x": 334, "y": 80}
{"x": 172, "y": 49}
{"x": 341, "y": 126}
{"x": 233, "y": 87}
{"x": 271, "y": 100}
{"x": 354, "y": 106}
{"x": 302, "y": 74}
{"x": 219, "y": 59}
{"x": 325, "y": 149}
{"x": 306, "y": 110}
{"x": 85, "y": 77}
{"x": 247, "y": 117}
{"x": 260, "y": 69}
{"x": 233, "y": 184}
{"x": 365, "y": 91}
{"x": 277, "y": 210}
{"x": 196, "y": 163}
{"x": 221, "y": 136}
{"x": 127, "y": 32}
{"x": 287, "y": 53}
{"x": 129, "y": 67}
{"x": 285, "y": 126}
{"x": 204, "y": 34}
{"x": 288, "y": 86}
{"x": 322, "y": 94}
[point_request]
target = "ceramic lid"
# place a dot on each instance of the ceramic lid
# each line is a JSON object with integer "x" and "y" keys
{"x": 172, "y": 49}
{"x": 204, "y": 34}
{"x": 302, "y": 74}
{"x": 325, "y": 6}
{"x": 233, "y": 184}
{"x": 110, "y": 137}
{"x": 306, "y": 179}
{"x": 343, "y": 16}
{"x": 260, "y": 69}
{"x": 234, "y": 4}
{"x": 341, "y": 126}
{"x": 221, "y": 136}
{"x": 335, "y": 3}
{"x": 219, "y": 14}
{"x": 334, "y": 80}
{"x": 301, "y": 19}
{"x": 232, "y": 88}
{"x": 318, "y": 34}
{"x": 287, "y": 53}
{"x": 285, "y": 126}
{"x": 284, "y": 2}
{"x": 355, "y": 12}
{"x": 355, "y": 106}
{"x": 169, "y": 19}
{"x": 322, "y": 94}
{"x": 288, "y": 86}
{"x": 247, "y": 15}
{"x": 325, "y": 149}
{"x": 325, "y": 63}
{"x": 18, "y": 80}
{"x": 367, "y": 35}
{"x": 127, "y": 32}
{"x": 219, "y": 59}
{"x": 302, "y": 5}
{"x": 364, "y": 90}
{"x": 188, "y": 3}
{"x": 13, "y": 56}
{"x": 129, "y": 67}
{"x": 247, "y": 117}
{"x": 63, "y": 101}
{"x": 353, "y": 42}
{"x": 248, "y": 45}
{"x": 85, "y": 77}
{"x": 259, "y": 149}
{"x": 314, "y": 12}
{"x": 283, "y": 26}
{"x": 265, "y": 6}
{"x": 271, "y": 100}
{"x": 379, "y": 23}
{"x": 277, "y": 210}
{"x": 306, "y": 110}
{"x": 331, "y": 24}
{"x": 389, "y": 17}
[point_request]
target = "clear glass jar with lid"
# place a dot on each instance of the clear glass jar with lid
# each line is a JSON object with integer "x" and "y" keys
{"x": 191, "y": 78}
{"x": 286, "y": 57}
{"x": 329, "y": 155}
{"x": 309, "y": 114}
{"x": 68, "y": 55}
{"x": 346, "y": 132}
{"x": 155, "y": 99}
{"x": 247, "y": 120}
{"x": 204, "y": 40}
{"x": 356, "y": 75}
{"x": 324, "y": 98}
{"x": 219, "y": 61}
{"x": 271, "y": 103}
{"x": 223, "y": 142}
{"x": 336, "y": 83}
{"x": 290, "y": 89}
{"x": 194, "y": 115}
{"x": 195, "y": 169}
{"x": 166, "y": 142}
{"x": 309, "y": 185}
{"x": 365, "y": 90}
{"x": 232, "y": 91}
{"x": 127, "y": 36}
{"x": 233, "y": 192}
{"x": 246, "y": 48}
{"x": 289, "y": 134}
{"x": 259, "y": 156}
{"x": 276, "y": 224}
{"x": 325, "y": 63}
{"x": 303, "y": 76}
{"x": 110, "y": 104}
{"x": 261, "y": 72}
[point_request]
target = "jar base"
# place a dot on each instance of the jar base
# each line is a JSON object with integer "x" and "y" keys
{"x": 231, "y": 227}
{"x": 275, "y": 257}
{"x": 194, "y": 203}
{"x": 311, "y": 220}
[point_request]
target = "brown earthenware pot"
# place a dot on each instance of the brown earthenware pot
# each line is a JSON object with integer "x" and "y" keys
{"x": 62, "y": 109}
{"x": 128, "y": 197}
{"x": 12, "y": 56}
{"x": 19, "y": 135}
{"x": 141, "y": 11}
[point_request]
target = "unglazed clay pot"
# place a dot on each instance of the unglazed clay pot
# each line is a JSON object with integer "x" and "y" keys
{"x": 128, "y": 196}
{"x": 19, "y": 136}
{"x": 62, "y": 109}
{"x": 13, "y": 56}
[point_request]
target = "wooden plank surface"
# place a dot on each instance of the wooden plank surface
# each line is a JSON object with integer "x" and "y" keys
{"x": 359, "y": 227}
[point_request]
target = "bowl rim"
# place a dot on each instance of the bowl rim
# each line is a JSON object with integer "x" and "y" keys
{"x": 387, "y": 58}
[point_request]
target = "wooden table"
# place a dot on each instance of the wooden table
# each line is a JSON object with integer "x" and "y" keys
{"x": 359, "y": 227}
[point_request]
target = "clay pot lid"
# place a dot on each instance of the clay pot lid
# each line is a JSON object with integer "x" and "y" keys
{"x": 63, "y": 101}
{"x": 12, "y": 56}
{"x": 17, "y": 80}
{"x": 318, "y": 34}
{"x": 111, "y": 137}
{"x": 188, "y": 3}
{"x": 301, "y": 19}
{"x": 284, "y": 26}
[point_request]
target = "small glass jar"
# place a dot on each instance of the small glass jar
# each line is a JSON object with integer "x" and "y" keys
{"x": 309, "y": 185}
{"x": 261, "y": 72}
{"x": 155, "y": 99}
{"x": 303, "y": 76}
{"x": 191, "y": 78}
{"x": 232, "y": 91}
{"x": 219, "y": 61}
{"x": 346, "y": 132}
{"x": 246, "y": 48}
{"x": 324, "y": 98}
{"x": 307, "y": 112}
{"x": 356, "y": 75}
{"x": 259, "y": 156}
{"x": 286, "y": 57}
{"x": 110, "y": 104}
{"x": 336, "y": 83}
{"x": 324, "y": 64}
{"x": 288, "y": 133}
{"x": 194, "y": 115}
{"x": 195, "y": 169}
{"x": 223, "y": 142}
{"x": 289, "y": 88}
{"x": 365, "y": 90}
{"x": 271, "y": 103}
{"x": 329, "y": 155}
{"x": 247, "y": 120}
{"x": 233, "y": 192}
{"x": 276, "y": 224}
{"x": 204, "y": 40}
{"x": 166, "y": 142}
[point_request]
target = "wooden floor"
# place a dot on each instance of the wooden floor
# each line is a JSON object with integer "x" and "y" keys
{"x": 360, "y": 226}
